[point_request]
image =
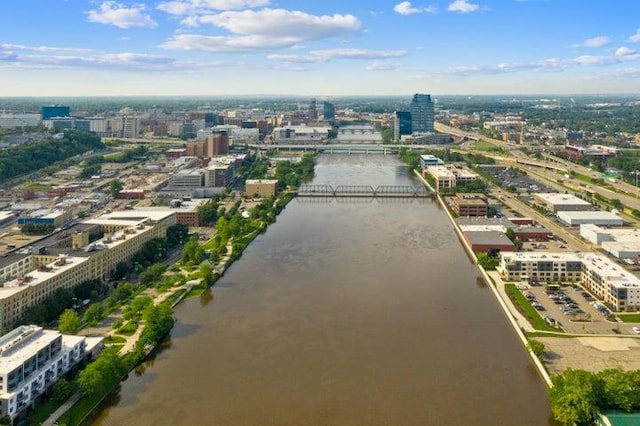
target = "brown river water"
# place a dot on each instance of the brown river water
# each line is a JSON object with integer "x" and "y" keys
{"x": 345, "y": 312}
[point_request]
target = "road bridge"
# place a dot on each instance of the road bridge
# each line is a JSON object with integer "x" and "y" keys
{"x": 382, "y": 191}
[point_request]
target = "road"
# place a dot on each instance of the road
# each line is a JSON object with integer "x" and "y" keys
{"x": 628, "y": 194}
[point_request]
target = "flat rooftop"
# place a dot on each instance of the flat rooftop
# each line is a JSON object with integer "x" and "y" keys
{"x": 558, "y": 199}
{"x": 615, "y": 274}
{"x": 587, "y": 215}
{"x": 37, "y": 277}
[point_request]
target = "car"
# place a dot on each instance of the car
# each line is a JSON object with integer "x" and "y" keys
{"x": 636, "y": 330}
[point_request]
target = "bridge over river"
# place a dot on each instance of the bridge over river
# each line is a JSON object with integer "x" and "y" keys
{"x": 387, "y": 191}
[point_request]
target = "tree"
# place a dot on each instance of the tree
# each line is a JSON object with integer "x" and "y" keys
{"x": 62, "y": 390}
{"x": 115, "y": 186}
{"x": 207, "y": 274}
{"x": 158, "y": 321}
{"x": 103, "y": 373}
{"x": 487, "y": 262}
{"x": 574, "y": 396}
{"x": 619, "y": 390}
{"x": 94, "y": 314}
{"x": 69, "y": 322}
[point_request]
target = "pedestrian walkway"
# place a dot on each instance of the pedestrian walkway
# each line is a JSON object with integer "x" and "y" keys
{"x": 522, "y": 322}
{"x": 62, "y": 409}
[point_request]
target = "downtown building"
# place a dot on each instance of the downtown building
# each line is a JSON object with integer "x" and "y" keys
{"x": 417, "y": 120}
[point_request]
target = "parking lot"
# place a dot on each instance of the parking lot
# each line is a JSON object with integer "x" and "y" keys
{"x": 573, "y": 309}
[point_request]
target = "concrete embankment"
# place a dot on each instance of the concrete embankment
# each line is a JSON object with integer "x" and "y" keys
{"x": 503, "y": 303}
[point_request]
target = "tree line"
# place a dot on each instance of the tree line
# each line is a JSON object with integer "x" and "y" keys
{"x": 26, "y": 158}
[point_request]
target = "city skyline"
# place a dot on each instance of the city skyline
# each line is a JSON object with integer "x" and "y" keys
{"x": 254, "y": 47}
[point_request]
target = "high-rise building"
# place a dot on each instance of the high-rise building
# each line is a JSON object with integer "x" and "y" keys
{"x": 401, "y": 124}
{"x": 421, "y": 110}
{"x": 328, "y": 111}
{"x": 51, "y": 111}
{"x": 130, "y": 127}
{"x": 313, "y": 111}
{"x": 217, "y": 144}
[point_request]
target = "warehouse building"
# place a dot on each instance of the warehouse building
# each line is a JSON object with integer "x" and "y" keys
{"x": 576, "y": 218}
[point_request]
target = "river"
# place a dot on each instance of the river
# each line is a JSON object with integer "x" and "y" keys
{"x": 345, "y": 312}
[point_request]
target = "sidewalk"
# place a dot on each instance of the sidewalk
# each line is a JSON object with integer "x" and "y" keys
{"x": 62, "y": 409}
{"x": 522, "y": 322}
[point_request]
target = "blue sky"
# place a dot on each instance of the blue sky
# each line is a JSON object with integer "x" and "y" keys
{"x": 318, "y": 47}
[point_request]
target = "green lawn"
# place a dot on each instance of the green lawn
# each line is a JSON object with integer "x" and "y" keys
{"x": 42, "y": 412}
{"x": 629, "y": 317}
{"x": 483, "y": 145}
{"x": 524, "y": 307}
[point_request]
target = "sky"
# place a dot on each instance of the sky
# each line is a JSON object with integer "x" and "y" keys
{"x": 318, "y": 47}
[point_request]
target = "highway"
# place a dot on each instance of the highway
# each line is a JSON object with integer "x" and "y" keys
{"x": 554, "y": 169}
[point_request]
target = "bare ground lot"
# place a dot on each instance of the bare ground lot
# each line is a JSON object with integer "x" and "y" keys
{"x": 591, "y": 353}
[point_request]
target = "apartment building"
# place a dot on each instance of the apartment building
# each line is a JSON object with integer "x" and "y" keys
{"x": 261, "y": 187}
{"x": 618, "y": 288}
{"x": 28, "y": 280}
{"x": 32, "y": 360}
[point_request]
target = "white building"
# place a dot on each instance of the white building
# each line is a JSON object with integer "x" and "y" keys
{"x": 300, "y": 134}
{"x": 10, "y": 121}
{"x": 618, "y": 288}
{"x": 427, "y": 160}
{"x": 556, "y": 202}
{"x": 575, "y": 218}
{"x": 237, "y": 135}
{"x": 190, "y": 178}
{"x": 32, "y": 360}
{"x": 622, "y": 243}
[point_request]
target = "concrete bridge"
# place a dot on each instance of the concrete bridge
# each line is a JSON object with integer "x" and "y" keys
{"x": 383, "y": 191}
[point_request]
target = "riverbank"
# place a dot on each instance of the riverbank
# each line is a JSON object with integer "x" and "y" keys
{"x": 514, "y": 317}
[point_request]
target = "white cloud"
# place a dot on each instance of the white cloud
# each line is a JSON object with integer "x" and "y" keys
{"x": 382, "y": 66}
{"x": 594, "y": 60}
{"x": 317, "y": 56}
{"x": 112, "y": 13}
{"x": 463, "y": 6}
{"x": 186, "y": 7}
{"x": 358, "y": 53}
{"x": 281, "y": 23}
{"x": 593, "y": 42}
{"x": 263, "y": 29}
{"x": 21, "y": 47}
{"x": 405, "y": 8}
{"x": 636, "y": 37}
{"x": 624, "y": 51}
{"x": 71, "y": 57}
{"x": 226, "y": 44}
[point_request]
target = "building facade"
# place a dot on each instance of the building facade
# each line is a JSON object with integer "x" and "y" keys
{"x": 50, "y": 111}
{"x": 422, "y": 112}
{"x": 263, "y": 188}
{"x": 32, "y": 360}
{"x": 401, "y": 124}
{"x": 618, "y": 288}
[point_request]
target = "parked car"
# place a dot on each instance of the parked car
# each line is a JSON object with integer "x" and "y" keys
{"x": 636, "y": 330}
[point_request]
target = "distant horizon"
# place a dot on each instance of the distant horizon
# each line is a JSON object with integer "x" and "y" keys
{"x": 324, "y": 96}
{"x": 104, "y": 48}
